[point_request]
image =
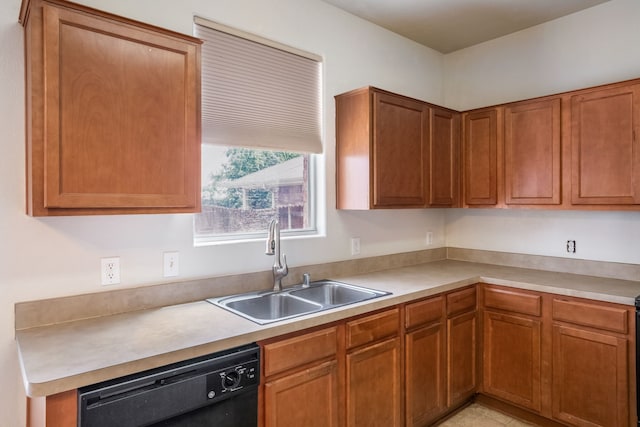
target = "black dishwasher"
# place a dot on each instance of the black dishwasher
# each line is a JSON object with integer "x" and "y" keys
{"x": 219, "y": 389}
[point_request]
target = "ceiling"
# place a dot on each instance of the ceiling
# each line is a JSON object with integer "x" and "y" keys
{"x": 450, "y": 25}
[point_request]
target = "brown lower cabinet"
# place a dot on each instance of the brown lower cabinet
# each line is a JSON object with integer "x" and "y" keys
{"x": 567, "y": 360}
{"x": 564, "y": 358}
{"x": 425, "y": 361}
{"x": 462, "y": 347}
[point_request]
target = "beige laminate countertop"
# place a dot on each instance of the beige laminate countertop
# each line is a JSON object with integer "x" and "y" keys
{"x": 69, "y": 355}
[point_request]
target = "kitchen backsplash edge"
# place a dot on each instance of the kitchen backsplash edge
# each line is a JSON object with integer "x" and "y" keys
{"x": 31, "y": 314}
{"x": 611, "y": 270}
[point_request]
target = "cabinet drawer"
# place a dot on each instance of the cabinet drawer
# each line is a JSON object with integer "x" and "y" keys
{"x": 609, "y": 318}
{"x": 461, "y": 301}
{"x": 297, "y": 351}
{"x": 424, "y": 312}
{"x": 373, "y": 328}
{"x": 517, "y": 302}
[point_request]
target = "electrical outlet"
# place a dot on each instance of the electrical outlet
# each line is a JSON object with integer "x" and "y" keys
{"x": 429, "y": 238}
{"x": 110, "y": 269}
{"x": 171, "y": 264}
{"x": 355, "y": 246}
{"x": 571, "y": 246}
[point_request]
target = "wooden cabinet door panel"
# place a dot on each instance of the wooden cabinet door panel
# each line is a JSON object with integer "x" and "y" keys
{"x": 481, "y": 157}
{"x": 512, "y": 359}
{"x": 374, "y": 385}
{"x": 532, "y": 152}
{"x": 307, "y": 398}
{"x": 590, "y": 378}
{"x": 425, "y": 370}
{"x": 400, "y": 154}
{"x": 605, "y": 151}
{"x": 461, "y": 357}
{"x": 121, "y": 115}
{"x": 444, "y": 143}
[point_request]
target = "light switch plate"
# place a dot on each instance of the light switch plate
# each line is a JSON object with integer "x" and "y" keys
{"x": 171, "y": 264}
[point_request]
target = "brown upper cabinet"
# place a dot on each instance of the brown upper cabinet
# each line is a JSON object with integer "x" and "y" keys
{"x": 394, "y": 152}
{"x": 481, "y": 156}
{"x": 532, "y": 137}
{"x": 444, "y": 147}
{"x": 113, "y": 113}
{"x": 605, "y": 151}
{"x": 512, "y": 154}
{"x": 575, "y": 150}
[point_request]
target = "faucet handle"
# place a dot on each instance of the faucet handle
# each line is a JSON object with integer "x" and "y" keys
{"x": 305, "y": 280}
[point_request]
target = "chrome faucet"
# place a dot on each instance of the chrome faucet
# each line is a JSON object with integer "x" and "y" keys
{"x": 273, "y": 248}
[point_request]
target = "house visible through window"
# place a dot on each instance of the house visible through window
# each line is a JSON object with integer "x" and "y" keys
{"x": 261, "y": 115}
{"x": 244, "y": 189}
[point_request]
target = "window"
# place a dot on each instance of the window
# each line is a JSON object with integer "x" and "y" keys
{"x": 261, "y": 116}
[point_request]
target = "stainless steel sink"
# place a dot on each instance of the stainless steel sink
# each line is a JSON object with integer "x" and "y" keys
{"x": 273, "y": 306}
{"x": 267, "y": 307}
{"x": 329, "y": 293}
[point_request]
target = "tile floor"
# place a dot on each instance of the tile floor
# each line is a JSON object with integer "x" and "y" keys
{"x": 477, "y": 415}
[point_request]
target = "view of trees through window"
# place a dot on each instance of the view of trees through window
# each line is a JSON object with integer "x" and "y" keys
{"x": 246, "y": 188}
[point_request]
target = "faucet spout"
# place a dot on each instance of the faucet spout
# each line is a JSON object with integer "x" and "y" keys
{"x": 280, "y": 268}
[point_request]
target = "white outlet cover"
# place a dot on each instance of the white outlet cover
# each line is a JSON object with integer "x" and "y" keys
{"x": 110, "y": 270}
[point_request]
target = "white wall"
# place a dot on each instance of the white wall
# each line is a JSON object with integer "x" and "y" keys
{"x": 592, "y": 47}
{"x": 46, "y": 257}
{"x": 41, "y": 258}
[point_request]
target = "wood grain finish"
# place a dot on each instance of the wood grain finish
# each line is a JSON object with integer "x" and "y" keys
{"x": 395, "y": 152}
{"x": 512, "y": 359}
{"x": 372, "y": 328}
{"x": 425, "y": 312}
{"x": 590, "y": 378}
{"x": 58, "y": 410}
{"x": 425, "y": 374}
{"x": 299, "y": 350}
{"x": 444, "y": 145}
{"x": 513, "y": 301}
{"x": 461, "y": 301}
{"x": 374, "y": 385}
{"x": 481, "y": 157}
{"x": 532, "y": 147}
{"x": 605, "y": 149}
{"x": 114, "y": 114}
{"x": 400, "y": 151}
{"x": 353, "y": 150}
{"x": 305, "y": 398}
{"x": 601, "y": 316}
{"x": 462, "y": 353}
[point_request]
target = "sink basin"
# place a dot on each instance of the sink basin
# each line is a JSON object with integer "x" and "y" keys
{"x": 266, "y": 307}
{"x": 334, "y": 293}
{"x": 269, "y": 307}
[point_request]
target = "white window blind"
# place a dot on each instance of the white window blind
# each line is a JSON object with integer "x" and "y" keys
{"x": 256, "y": 93}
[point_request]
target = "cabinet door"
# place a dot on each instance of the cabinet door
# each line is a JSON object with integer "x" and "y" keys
{"x": 306, "y": 398}
{"x": 374, "y": 385}
{"x": 532, "y": 152}
{"x": 605, "y": 151}
{"x": 121, "y": 120}
{"x": 461, "y": 357}
{"x": 444, "y": 154}
{"x": 481, "y": 157}
{"x": 425, "y": 368}
{"x": 512, "y": 351}
{"x": 400, "y": 154}
{"x": 590, "y": 378}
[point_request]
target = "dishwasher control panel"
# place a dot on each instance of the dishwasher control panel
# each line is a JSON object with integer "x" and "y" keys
{"x": 232, "y": 379}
